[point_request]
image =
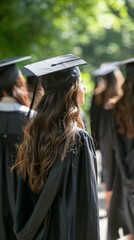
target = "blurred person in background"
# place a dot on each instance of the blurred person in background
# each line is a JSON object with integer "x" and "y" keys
{"x": 31, "y": 84}
{"x": 119, "y": 139}
{"x": 108, "y": 81}
{"x": 108, "y": 90}
{"x": 14, "y": 106}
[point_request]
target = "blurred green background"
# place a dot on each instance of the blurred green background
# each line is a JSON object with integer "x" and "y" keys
{"x": 96, "y": 30}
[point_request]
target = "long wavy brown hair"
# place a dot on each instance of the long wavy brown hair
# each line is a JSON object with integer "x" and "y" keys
{"x": 18, "y": 90}
{"x": 53, "y": 127}
{"x": 124, "y": 111}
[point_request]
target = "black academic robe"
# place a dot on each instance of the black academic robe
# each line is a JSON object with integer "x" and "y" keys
{"x": 12, "y": 117}
{"x": 95, "y": 115}
{"x": 106, "y": 147}
{"x": 67, "y": 207}
{"x": 98, "y": 126}
{"x": 118, "y": 155}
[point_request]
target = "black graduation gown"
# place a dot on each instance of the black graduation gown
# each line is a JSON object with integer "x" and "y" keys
{"x": 95, "y": 116}
{"x": 118, "y": 149}
{"x": 12, "y": 116}
{"x": 106, "y": 148}
{"x": 98, "y": 126}
{"x": 67, "y": 207}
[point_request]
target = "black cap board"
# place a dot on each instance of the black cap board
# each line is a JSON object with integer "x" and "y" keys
{"x": 126, "y": 62}
{"x": 105, "y": 70}
{"x": 55, "y": 64}
{"x": 9, "y": 71}
{"x": 14, "y": 60}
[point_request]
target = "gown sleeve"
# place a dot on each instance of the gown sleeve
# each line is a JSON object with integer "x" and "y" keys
{"x": 87, "y": 200}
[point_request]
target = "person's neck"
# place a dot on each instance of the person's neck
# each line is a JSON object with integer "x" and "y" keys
{"x": 8, "y": 99}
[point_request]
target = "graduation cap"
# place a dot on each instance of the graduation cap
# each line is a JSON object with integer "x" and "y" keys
{"x": 56, "y": 73}
{"x": 105, "y": 69}
{"x": 55, "y": 64}
{"x": 126, "y": 62}
{"x": 9, "y": 71}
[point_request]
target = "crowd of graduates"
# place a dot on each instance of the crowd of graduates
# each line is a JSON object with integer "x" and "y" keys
{"x": 48, "y": 167}
{"x": 112, "y": 127}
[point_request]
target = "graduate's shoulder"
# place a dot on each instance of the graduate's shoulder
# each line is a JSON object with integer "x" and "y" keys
{"x": 83, "y": 134}
{"x": 85, "y": 139}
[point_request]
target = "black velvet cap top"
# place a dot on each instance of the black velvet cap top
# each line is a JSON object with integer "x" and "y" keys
{"x": 9, "y": 72}
{"x": 55, "y": 64}
{"x": 57, "y": 73}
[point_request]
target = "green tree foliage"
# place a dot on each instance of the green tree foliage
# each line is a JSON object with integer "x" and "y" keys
{"x": 96, "y": 29}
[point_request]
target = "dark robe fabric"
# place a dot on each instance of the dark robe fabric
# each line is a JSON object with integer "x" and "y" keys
{"x": 118, "y": 155}
{"x": 106, "y": 148}
{"x": 12, "y": 118}
{"x": 67, "y": 207}
{"x": 98, "y": 122}
{"x": 95, "y": 115}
